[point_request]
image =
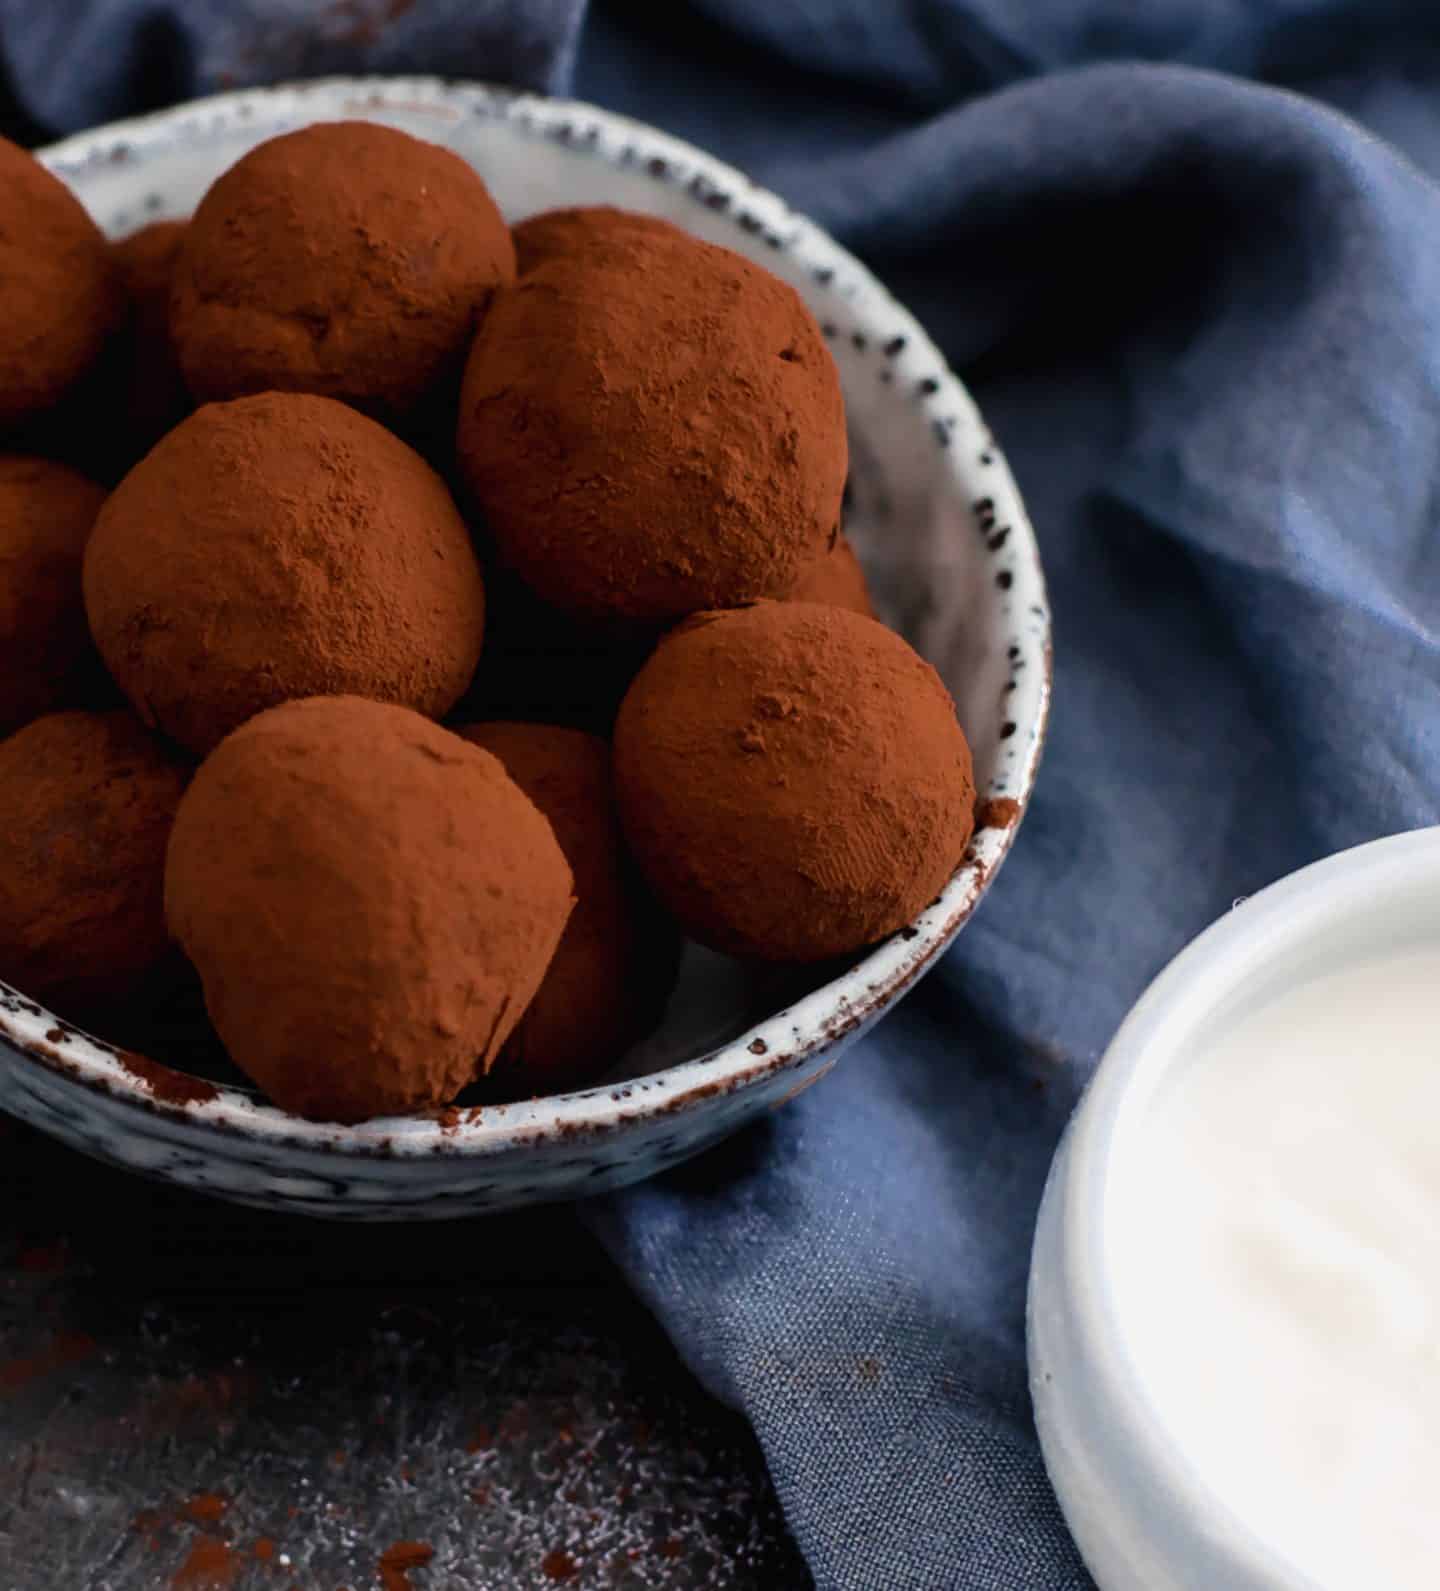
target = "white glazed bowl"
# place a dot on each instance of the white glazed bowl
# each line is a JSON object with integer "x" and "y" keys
{"x": 1142, "y": 1513}
{"x": 951, "y": 557}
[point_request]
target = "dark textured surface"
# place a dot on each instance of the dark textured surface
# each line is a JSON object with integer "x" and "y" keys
{"x": 183, "y": 1382}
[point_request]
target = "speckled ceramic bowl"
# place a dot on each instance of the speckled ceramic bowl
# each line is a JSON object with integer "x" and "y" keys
{"x": 952, "y": 560}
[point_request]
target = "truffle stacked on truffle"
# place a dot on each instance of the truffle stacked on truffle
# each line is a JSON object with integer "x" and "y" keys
{"x": 62, "y": 293}
{"x": 86, "y": 805}
{"x": 837, "y": 580}
{"x": 555, "y": 234}
{"x": 370, "y": 901}
{"x": 792, "y": 780}
{"x": 653, "y": 428}
{"x": 346, "y": 259}
{"x": 277, "y": 547}
{"x": 616, "y": 961}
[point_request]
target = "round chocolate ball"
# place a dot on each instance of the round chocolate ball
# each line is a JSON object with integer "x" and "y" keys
{"x": 370, "y": 902}
{"x": 837, "y": 580}
{"x": 86, "y": 805}
{"x": 46, "y": 659}
{"x": 792, "y": 780}
{"x": 653, "y": 428}
{"x": 612, "y": 972}
{"x": 346, "y": 259}
{"x": 275, "y": 547}
{"x": 555, "y": 233}
{"x": 61, "y": 292}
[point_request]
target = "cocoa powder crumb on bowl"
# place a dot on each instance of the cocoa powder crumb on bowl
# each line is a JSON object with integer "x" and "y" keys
{"x": 997, "y": 812}
{"x": 165, "y": 1083}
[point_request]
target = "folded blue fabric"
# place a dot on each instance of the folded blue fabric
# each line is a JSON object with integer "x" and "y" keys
{"x": 1204, "y": 317}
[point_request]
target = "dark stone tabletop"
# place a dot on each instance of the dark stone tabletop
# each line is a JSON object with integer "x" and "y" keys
{"x": 194, "y": 1395}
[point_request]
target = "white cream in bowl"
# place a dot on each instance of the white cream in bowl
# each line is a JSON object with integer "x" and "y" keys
{"x": 1235, "y": 1300}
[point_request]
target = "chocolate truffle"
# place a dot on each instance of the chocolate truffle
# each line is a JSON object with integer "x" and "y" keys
{"x": 61, "y": 292}
{"x": 652, "y": 429}
{"x": 837, "y": 580}
{"x": 148, "y": 393}
{"x": 281, "y": 546}
{"x": 611, "y": 972}
{"x": 346, "y": 259}
{"x": 554, "y": 233}
{"x": 370, "y": 902}
{"x": 86, "y": 805}
{"x": 792, "y": 780}
{"x": 46, "y": 660}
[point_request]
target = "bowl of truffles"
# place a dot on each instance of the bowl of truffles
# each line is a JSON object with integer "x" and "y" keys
{"x": 514, "y": 649}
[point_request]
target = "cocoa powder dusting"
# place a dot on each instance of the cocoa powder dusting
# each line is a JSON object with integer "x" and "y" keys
{"x": 66, "y": 1349}
{"x": 559, "y": 1565}
{"x": 207, "y": 1508}
{"x": 397, "y": 1561}
{"x": 209, "y": 1566}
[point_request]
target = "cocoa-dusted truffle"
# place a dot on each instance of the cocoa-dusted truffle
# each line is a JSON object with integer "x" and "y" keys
{"x": 148, "y": 391}
{"x": 346, "y": 259}
{"x": 837, "y": 580}
{"x": 554, "y": 233}
{"x": 86, "y": 805}
{"x": 46, "y": 660}
{"x": 281, "y": 546}
{"x": 653, "y": 428}
{"x": 612, "y": 970}
{"x": 792, "y": 780}
{"x": 61, "y": 292}
{"x": 370, "y": 902}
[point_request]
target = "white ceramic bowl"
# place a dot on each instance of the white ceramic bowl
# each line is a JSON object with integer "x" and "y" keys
{"x": 1143, "y": 1514}
{"x": 951, "y": 556}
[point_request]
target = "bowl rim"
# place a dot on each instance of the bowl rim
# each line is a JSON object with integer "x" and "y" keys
{"x": 790, "y": 1038}
{"x": 1260, "y": 931}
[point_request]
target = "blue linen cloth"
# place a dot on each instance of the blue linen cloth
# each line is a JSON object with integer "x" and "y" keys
{"x": 1203, "y": 315}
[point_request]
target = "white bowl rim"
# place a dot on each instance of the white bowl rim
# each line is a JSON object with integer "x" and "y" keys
{"x": 782, "y": 1042}
{"x": 1260, "y": 929}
